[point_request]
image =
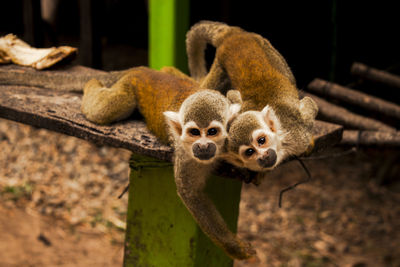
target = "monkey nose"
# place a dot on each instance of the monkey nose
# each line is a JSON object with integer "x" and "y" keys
{"x": 268, "y": 159}
{"x": 204, "y": 151}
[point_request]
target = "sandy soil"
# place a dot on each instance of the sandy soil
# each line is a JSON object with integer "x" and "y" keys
{"x": 59, "y": 206}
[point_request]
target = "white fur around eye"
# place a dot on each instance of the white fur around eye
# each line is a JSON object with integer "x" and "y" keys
{"x": 190, "y": 125}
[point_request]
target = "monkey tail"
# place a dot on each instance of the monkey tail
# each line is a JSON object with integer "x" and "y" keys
{"x": 203, "y": 33}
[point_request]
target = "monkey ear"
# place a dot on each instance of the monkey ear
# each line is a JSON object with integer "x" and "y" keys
{"x": 270, "y": 118}
{"x": 234, "y": 97}
{"x": 175, "y": 126}
{"x": 234, "y": 110}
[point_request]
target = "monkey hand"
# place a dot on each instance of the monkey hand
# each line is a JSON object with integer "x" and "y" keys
{"x": 240, "y": 250}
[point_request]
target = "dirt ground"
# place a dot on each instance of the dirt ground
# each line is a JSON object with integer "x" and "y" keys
{"x": 59, "y": 206}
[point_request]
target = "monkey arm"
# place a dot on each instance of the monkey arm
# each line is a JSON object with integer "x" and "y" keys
{"x": 190, "y": 178}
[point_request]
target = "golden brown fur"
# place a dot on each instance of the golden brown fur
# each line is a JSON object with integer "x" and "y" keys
{"x": 153, "y": 92}
{"x": 256, "y": 69}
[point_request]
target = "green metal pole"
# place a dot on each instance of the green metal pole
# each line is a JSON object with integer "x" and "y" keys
{"x": 168, "y": 24}
{"x": 160, "y": 230}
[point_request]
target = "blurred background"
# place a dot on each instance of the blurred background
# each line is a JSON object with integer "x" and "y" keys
{"x": 58, "y": 194}
{"x": 317, "y": 38}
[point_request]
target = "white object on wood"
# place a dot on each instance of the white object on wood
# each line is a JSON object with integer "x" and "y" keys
{"x": 13, "y": 49}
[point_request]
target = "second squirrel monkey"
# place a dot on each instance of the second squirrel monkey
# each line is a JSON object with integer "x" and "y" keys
{"x": 275, "y": 123}
{"x": 197, "y": 120}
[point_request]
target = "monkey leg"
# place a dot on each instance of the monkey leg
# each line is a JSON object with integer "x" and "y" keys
{"x": 176, "y": 72}
{"x": 103, "y": 105}
{"x": 190, "y": 187}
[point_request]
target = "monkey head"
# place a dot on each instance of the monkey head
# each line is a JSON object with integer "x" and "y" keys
{"x": 255, "y": 140}
{"x": 200, "y": 125}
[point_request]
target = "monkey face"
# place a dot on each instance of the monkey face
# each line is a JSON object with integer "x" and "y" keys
{"x": 200, "y": 125}
{"x": 255, "y": 141}
{"x": 204, "y": 143}
{"x": 261, "y": 153}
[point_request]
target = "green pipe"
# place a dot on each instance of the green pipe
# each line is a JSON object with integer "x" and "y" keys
{"x": 160, "y": 230}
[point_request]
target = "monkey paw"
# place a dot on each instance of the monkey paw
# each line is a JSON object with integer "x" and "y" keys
{"x": 241, "y": 250}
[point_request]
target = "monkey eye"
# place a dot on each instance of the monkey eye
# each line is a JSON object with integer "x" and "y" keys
{"x": 261, "y": 140}
{"x": 194, "y": 131}
{"x": 249, "y": 152}
{"x": 212, "y": 131}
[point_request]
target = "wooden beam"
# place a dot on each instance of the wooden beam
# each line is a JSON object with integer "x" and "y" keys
{"x": 379, "y": 76}
{"x": 371, "y": 138}
{"x": 339, "y": 115}
{"x": 328, "y": 89}
{"x": 60, "y": 111}
{"x": 56, "y": 107}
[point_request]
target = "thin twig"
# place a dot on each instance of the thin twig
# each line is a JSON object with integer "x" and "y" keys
{"x": 124, "y": 191}
{"x": 296, "y": 184}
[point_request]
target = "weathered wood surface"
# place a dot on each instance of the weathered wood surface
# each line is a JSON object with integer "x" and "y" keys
{"x": 368, "y": 73}
{"x": 59, "y": 111}
{"x": 329, "y": 89}
{"x": 68, "y": 78}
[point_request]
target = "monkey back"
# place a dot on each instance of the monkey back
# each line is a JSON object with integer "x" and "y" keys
{"x": 157, "y": 92}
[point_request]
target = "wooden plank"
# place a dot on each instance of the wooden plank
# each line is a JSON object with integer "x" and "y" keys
{"x": 68, "y": 78}
{"x": 60, "y": 111}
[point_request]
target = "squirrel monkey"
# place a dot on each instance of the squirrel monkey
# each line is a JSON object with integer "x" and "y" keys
{"x": 275, "y": 123}
{"x": 197, "y": 120}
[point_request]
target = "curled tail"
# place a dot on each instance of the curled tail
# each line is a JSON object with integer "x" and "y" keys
{"x": 201, "y": 34}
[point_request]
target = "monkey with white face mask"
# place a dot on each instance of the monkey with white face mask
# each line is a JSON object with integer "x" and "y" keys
{"x": 275, "y": 123}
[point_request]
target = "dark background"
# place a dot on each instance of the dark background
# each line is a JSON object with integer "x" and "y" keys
{"x": 318, "y": 38}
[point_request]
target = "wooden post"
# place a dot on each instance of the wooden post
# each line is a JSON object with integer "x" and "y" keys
{"x": 160, "y": 230}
